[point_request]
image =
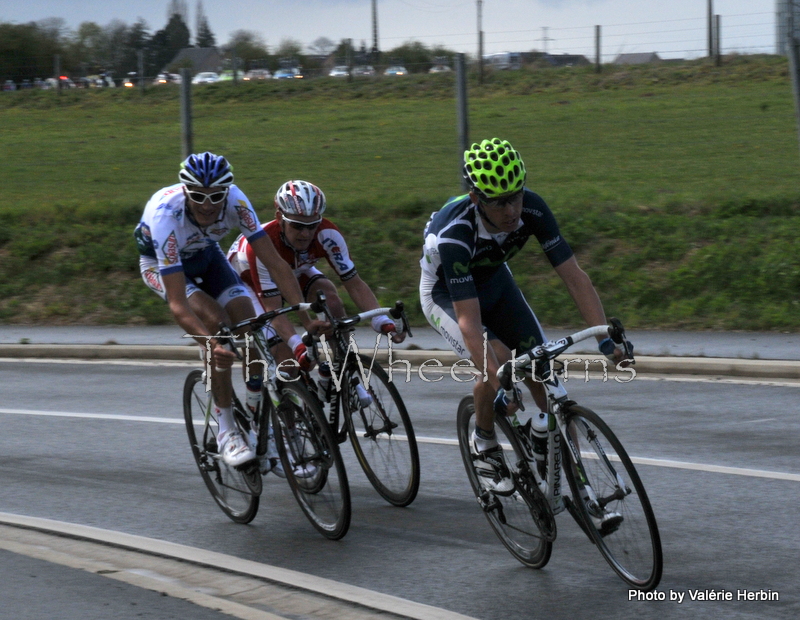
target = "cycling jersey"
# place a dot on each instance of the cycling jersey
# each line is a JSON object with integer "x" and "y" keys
{"x": 462, "y": 260}
{"x": 328, "y": 243}
{"x": 168, "y": 233}
{"x": 461, "y": 254}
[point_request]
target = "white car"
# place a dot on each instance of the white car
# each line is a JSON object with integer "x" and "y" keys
{"x": 340, "y": 71}
{"x": 205, "y": 77}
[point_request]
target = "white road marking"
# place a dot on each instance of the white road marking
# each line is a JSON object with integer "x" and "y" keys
{"x": 717, "y": 469}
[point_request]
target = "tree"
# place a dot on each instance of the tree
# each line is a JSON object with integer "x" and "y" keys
{"x": 289, "y": 48}
{"x": 322, "y": 46}
{"x": 166, "y": 43}
{"x": 248, "y": 46}
{"x": 203, "y": 37}
{"x": 27, "y": 51}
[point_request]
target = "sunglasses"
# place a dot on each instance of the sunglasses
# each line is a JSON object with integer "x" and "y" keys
{"x": 302, "y": 225}
{"x": 501, "y": 202}
{"x": 201, "y": 197}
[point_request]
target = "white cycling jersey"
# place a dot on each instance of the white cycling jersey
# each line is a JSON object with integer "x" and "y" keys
{"x": 169, "y": 234}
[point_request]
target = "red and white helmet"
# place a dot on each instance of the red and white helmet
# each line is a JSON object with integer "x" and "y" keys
{"x": 300, "y": 198}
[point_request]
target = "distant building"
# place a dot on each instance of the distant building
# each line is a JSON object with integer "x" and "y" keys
{"x": 637, "y": 59}
{"x": 566, "y": 60}
{"x": 197, "y": 59}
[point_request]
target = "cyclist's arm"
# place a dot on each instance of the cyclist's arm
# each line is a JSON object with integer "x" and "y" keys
{"x": 468, "y": 314}
{"x": 365, "y": 299}
{"x": 582, "y": 291}
{"x": 281, "y": 274}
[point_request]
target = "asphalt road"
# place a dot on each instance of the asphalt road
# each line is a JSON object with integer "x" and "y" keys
{"x": 721, "y": 529}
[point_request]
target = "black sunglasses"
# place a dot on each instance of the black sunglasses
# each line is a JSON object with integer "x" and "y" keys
{"x": 201, "y": 197}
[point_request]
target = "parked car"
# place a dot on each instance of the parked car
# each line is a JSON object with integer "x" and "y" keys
{"x": 340, "y": 71}
{"x": 227, "y": 76}
{"x": 288, "y": 74}
{"x": 364, "y": 70}
{"x": 9, "y": 85}
{"x": 396, "y": 70}
{"x": 167, "y": 78}
{"x": 257, "y": 74}
{"x": 205, "y": 77}
{"x": 439, "y": 69}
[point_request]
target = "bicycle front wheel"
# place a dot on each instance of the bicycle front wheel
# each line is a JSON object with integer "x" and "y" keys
{"x": 612, "y": 501}
{"x": 312, "y": 461}
{"x": 382, "y": 437}
{"x": 230, "y": 488}
{"x": 511, "y": 516}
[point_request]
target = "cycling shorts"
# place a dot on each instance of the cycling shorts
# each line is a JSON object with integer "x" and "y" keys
{"x": 207, "y": 270}
{"x": 505, "y": 314}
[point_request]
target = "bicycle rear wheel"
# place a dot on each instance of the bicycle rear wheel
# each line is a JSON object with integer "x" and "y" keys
{"x": 383, "y": 438}
{"x": 232, "y": 489}
{"x": 606, "y": 483}
{"x": 312, "y": 462}
{"x": 512, "y": 516}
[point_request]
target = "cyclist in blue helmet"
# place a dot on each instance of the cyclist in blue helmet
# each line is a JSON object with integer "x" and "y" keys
{"x": 181, "y": 261}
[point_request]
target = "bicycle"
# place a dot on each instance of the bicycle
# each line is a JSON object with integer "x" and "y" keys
{"x": 606, "y": 496}
{"x": 378, "y": 425}
{"x": 307, "y": 447}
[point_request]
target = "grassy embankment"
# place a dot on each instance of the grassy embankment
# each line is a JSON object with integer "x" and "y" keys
{"x": 676, "y": 185}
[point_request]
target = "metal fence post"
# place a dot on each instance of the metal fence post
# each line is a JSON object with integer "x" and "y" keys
{"x": 186, "y": 113}
{"x": 462, "y": 113}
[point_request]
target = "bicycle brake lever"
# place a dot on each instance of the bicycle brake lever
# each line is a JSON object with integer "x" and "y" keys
{"x": 398, "y": 312}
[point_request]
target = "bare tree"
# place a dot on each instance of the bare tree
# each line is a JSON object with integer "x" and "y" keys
{"x": 322, "y": 46}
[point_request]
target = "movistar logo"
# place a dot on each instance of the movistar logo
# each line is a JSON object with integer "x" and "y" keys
{"x": 436, "y": 321}
{"x": 461, "y": 268}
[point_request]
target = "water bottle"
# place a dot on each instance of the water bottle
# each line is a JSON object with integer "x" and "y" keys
{"x": 253, "y": 396}
{"x": 364, "y": 397}
{"x": 539, "y": 432}
{"x": 324, "y": 382}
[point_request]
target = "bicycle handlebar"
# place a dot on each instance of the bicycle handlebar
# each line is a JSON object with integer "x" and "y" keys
{"x": 552, "y": 349}
{"x": 397, "y": 313}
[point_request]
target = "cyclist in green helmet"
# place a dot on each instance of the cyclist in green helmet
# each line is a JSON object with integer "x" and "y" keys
{"x": 467, "y": 290}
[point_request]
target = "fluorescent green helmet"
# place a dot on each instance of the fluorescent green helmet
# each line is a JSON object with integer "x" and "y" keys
{"x": 493, "y": 168}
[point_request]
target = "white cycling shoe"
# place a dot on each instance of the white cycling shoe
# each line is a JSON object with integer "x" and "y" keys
{"x": 235, "y": 450}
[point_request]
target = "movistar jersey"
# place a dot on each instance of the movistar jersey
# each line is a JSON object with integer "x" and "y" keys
{"x": 168, "y": 233}
{"x": 461, "y": 254}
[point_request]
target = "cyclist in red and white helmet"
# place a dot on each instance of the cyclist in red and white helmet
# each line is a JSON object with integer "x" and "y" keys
{"x": 303, "y": 237}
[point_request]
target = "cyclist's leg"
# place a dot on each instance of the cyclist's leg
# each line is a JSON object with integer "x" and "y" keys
{"x": 504, "y": 300}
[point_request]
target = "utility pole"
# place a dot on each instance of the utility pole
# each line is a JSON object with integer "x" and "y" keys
{"x": 718, "y": 40}
{"x": 480, "y": 41}
{"x": 544, "y": 39}
{"x": 374, "y": 31}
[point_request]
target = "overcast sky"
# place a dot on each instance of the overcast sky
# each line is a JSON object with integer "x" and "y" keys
{"x": 673, "y": 28}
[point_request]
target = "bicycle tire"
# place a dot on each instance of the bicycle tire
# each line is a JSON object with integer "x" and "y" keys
{"x": 383, "y": 437}
{"x": 230, "y": 488}
{"x": 305, "y": 440}
{"x": 633, "y": 546}
{"x": 511, "y": 517}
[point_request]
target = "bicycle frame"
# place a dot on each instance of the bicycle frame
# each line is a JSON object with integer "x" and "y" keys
{"x": 536, "y": 365}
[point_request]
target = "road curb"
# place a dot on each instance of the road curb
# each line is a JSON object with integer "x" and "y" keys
{"x": 386, "y": 604}
{"x": 718, "y": 366}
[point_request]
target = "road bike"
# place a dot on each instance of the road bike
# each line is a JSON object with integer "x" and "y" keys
{"x": 308, "y": 449}
{"x": 606, "y": 496}
{"x": 371, "y": 412}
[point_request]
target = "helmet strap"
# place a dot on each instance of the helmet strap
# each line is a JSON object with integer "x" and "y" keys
{"x": 483, "y": 214}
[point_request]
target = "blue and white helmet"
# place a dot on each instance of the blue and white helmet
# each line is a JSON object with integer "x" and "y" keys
{"x": 206, "y": 170}
{"x": 300, "y": 198}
